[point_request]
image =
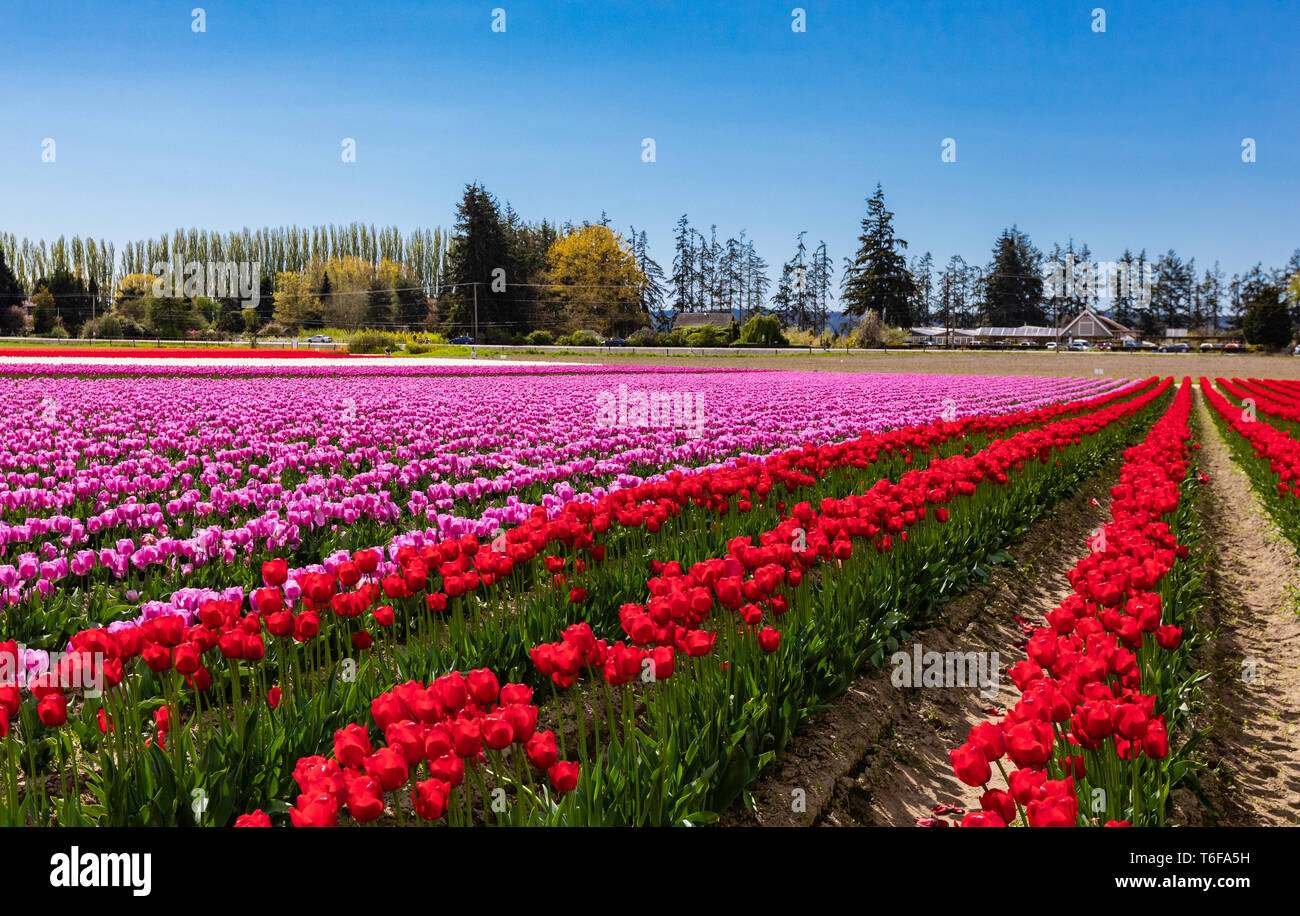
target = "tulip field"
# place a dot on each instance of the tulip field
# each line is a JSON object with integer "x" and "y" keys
{"x": 279, "y": 595}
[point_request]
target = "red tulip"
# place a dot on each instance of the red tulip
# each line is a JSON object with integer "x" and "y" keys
{"x": 541, "y": 750}
{"x": 387, "y": 767}
{"x": 365, "y": 800}
{"x": 275, "y": 572}
{"x": 970, "y": 765}
{"x": 429, "y": 798}
{"x": 351, "y": 745}
{"x": 52, "y": 710}
{"x": 983, "y": 819}
{"x": 564, "y": 775}
{"x": 482, "y": 686}
{"x": 314, "y": 811}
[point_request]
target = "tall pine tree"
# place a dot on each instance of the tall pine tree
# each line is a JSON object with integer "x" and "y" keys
{"x": 479, "y": 248}
{"x": 1013, "y": 286}
{"x": 878, "y": 279}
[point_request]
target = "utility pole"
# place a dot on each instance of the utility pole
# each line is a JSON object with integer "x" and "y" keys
{"x": 947, "y": 311}
{"x": 473, "y": 349}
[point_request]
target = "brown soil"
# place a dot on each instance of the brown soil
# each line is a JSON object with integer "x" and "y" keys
{"x": 970, "y": 362}
{"x": 879, "y": 754}
{"x": 1253, "y": 581}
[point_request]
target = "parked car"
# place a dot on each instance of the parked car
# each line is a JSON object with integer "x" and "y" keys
{"x": 320, "y": 338}
{"x": 1052, "y": 345}
{"x": 1029, "y": 343}
{"x": 615, "y": 342}
{"x": 1209, "y": 346}
{"x": 1078, "y": 345}
{"x": 1174, "y": 348}
{"x": 1296, "y": 351}
{"x": 462, "y": 341}
{"x": 1233, "y": 346}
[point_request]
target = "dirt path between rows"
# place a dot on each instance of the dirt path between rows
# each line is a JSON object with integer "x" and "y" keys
{"x": 878, "y": 755}
{"x": 1253, "y": 581}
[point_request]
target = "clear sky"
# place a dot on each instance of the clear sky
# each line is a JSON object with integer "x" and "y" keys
{"x": 1131, "y": 137}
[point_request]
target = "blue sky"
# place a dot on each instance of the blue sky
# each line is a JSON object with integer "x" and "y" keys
{"x": 1131, "y": 137}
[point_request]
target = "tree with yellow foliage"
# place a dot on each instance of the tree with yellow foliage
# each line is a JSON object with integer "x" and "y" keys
{"x": 296, "y": 303}
{"x": 135, "y": 286}
{"x": 132, "y": 290}
{"x": 594, "y": 279}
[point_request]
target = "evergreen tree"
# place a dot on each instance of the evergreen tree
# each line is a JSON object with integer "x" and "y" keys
{"x": 877, "y": 279}
{"x": 379, "y": 305}
{"x": 1124, "y": 292}
{"x": 43, "y": 312}
{"x": 1172, "y": 295}
{"x": 1013, "y": 287}
{"x": 11, "y": 291}
{"x": 783, "y": 298}
{"x": 952, "y": 293}
{"x": 478, "y": 248}
{"x": 757, "y": 284}
{"x": 1266, "y": 320}
{"x": 72, "y": 302}
{"x": 653, "y": 293}
{"x": 822, "y": 269}
{"x": 683, "y": 266}
{"x": 1212, "y": 296}
{"x": 922, "y": 272}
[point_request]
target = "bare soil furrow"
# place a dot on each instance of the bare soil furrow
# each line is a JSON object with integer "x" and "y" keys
{"x": 1252, "y": 704}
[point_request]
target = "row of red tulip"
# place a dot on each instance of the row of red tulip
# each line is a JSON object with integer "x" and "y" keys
{"x": 1270, "y": 398}
{"x": 1280, "y": 451}
{"x": 1088, "y": 738}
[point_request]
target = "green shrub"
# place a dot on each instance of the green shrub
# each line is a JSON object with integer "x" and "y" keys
{"x": 674, "y": 338}
{"x": 707, "y": 336}
{"x": 579, "y": 339}
{"x": 373, "y": 342}
{"x": 106, "y": 327}
{"x": 540, "y": 338}
{"x": 172, "y": 318}
{"x": 764, "y": 331}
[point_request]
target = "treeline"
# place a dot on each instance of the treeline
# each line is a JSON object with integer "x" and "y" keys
{"x": 506, "y": 277}
{"x": 87, "y": 278}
